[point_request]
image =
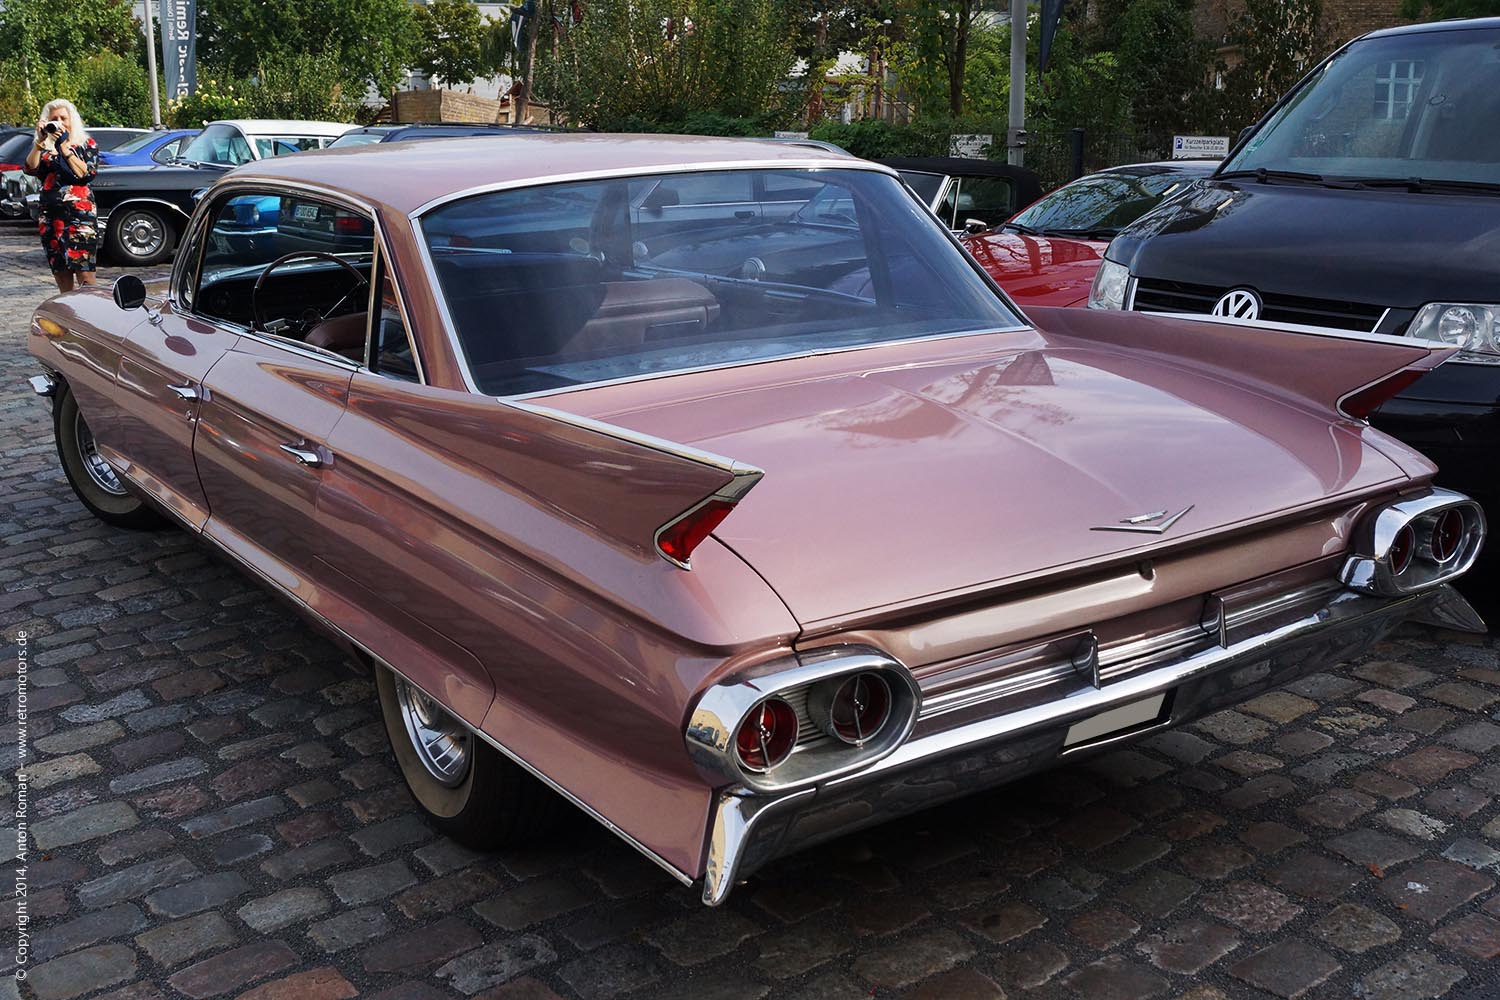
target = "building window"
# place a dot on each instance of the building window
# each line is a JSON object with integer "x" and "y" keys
{"x": 1395, "y": 88}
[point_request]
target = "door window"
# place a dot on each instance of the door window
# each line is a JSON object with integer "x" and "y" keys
{"x": 988, "y": 199}
{"x": 290, "y": 266}
{"x": 393, "y": 355}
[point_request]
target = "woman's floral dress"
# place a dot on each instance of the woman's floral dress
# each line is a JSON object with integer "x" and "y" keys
{"x": 69, "y": 223}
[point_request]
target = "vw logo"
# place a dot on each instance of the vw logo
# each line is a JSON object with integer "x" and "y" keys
{"x": 1240, "y": 303}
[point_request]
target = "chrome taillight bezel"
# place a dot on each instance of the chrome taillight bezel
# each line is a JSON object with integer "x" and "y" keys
{"x": 817, "y": 756}
{"x": 1370, "y": 568}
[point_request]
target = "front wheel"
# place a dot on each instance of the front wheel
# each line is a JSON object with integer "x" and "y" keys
{"x": 468, "y": 789}
{"x": 140, "y": 236}
{"x": 92, "y": 478}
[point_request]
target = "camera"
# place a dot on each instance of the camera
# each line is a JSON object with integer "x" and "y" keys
{"x": 52, "y": 128}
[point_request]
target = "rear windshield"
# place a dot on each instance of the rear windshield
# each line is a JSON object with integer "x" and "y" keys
{"x": 1420, "y": 105}
{"x": 567, "y": 284}
{"x": 356, "y": 139}
{"x": 924, "y": 184}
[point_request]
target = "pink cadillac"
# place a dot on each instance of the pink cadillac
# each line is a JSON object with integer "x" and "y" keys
{"x": 710, "y": 485}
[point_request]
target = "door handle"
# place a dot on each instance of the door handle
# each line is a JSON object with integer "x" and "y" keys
{"x": 188, "y": 391}
{"x": 304, "y": 455}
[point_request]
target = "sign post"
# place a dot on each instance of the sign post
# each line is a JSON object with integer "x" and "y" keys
{"x": 151, "y": 65}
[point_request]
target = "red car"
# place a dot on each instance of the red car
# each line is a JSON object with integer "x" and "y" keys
{"x": 1046, "y": 255}
{"x": 736, "y": 560}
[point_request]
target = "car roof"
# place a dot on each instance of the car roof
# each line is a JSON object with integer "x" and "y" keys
{"x": 1456, "y": 24}
{"x": 282, "y": 126}
{"x": 406, "y": 176}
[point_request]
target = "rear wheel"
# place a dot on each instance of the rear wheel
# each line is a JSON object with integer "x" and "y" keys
{"x": 139, "y": 236}
{"x": 468, "y": 789}
{"x": 91, "y": 476}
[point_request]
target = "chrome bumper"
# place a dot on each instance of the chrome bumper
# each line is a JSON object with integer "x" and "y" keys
{"x": 748, "y": 829}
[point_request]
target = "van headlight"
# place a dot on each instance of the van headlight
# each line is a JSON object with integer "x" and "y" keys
{"x": 1472, "y": 328}
{"x": 1111, "y": 282}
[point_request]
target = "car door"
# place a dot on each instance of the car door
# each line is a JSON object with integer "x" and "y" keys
{"x": 270, "y": 403}
{"x": 161, "y": 370}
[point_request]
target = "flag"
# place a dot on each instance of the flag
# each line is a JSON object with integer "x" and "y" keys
{"x": 1051, "y": 14}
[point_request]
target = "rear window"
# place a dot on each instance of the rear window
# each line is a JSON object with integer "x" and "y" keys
{"x": 568, "y": 284}
{"x": 356, "y": 139}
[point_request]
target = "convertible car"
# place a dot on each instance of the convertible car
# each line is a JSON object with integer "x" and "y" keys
{"x": 735, "y": 563}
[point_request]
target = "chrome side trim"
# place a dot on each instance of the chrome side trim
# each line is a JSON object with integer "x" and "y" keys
{"x": 1317, "y": 331}
{"x": 103, "y": 220}
{"x": 530, "y": 768}
{"x": 686, "y": 451}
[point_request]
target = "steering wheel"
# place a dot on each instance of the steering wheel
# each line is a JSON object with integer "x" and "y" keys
{"x": 255, "y": 313}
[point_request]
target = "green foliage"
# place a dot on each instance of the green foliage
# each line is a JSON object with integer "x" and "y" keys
{"x": 307, "y": 86}
{"x": 451, "y": 39}
{"x": 1163, "y": 67}
{"x": 1440, "y": 10}
{"x": 112, "y": 91}
{"x": 216, "y": 97}
{"x": 1279, "y": 41}
{"x": 934, "y": 57}
{"x": 44, "y": 43}
{"x": 370, "y": 40}
{"x": 658, "y": 61}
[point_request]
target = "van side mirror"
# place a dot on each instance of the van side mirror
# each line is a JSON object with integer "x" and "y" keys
{"x": 129, "y": 292}
{"x": 1244, "y": 134}
{"x": 975, "y": 226}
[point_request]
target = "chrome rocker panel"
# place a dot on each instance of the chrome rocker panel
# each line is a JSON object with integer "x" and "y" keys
{"x": 748, "y": 829}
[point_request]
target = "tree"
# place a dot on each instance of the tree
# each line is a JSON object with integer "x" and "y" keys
{"x": 1279, "y": 41}
{"x": 43, "y": 38}
{"x": 451, "y": 34}
{"x": 938, "y": 32}
{"x": 1164, "y": 67}
{"x": 369, "y": 40}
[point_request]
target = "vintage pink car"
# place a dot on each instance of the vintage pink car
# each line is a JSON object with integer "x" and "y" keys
{"x": 735, "y": 558}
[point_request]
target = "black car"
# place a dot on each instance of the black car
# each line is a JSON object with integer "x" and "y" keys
{"x": 1367, "y": 199}
{"x": 142, "y": 210}
{"x": 968, "y": 194}
{"x": 421, "y": 130}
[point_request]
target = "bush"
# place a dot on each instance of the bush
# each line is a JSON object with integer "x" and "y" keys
{"x": 112, "y": 91}
{"x": 214, "y": 99}
{"x": 306, "y": 85}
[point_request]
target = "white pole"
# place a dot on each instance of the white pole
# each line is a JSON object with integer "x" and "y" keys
{"x": 151, "y": 66}
{"x": 1016, "y": 153}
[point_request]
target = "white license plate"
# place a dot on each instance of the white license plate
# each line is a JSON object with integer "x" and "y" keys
{"x": 305, "y": 212}
{"x": 1116, "y": 719}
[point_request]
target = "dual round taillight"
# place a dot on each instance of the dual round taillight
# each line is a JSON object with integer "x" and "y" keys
{"x": 766, "y": 736}
{"x": 853, "y": 709}
{"x": 1447, "y": 535}
{"x": 1403, "y": 547}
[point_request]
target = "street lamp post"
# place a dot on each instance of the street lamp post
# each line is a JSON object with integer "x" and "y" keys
{"x": 1015, "y": 141}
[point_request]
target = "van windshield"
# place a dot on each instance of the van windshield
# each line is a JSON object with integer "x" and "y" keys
{"x": 1420, "y": 105}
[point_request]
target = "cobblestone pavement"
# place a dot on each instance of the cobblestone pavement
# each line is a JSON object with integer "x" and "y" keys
{"x": 216, "y": 814}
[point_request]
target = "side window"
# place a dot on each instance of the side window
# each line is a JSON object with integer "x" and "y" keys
{"x": 947, "y": 207}
{"x": 986, "y": 198}
{"x": 394, "y": 355}
{"x": 166, "y": 151}
{"x": 707, "y": 188}
{"x": 789, "y": 187}
{"x": 311, "y": 258}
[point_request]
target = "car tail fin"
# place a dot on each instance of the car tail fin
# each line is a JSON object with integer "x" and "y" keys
{"x": 1347, "y": 372}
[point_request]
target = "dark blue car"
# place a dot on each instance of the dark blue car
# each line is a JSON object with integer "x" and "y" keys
{"x": 144, "y": 150}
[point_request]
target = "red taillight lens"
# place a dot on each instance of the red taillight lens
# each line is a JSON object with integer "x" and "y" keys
{"x": 1366, "y": 401}
{"x": 859, "y": 708}
{"x": 11, "y": 166}
{"x": 1402, "y": 548}
{"x": 1447, "y": 535}
{"x": 679, "y": 538}
{"x": 767, "y": 735}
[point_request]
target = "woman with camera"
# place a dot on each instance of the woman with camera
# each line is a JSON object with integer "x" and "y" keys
{"x": 66, "y": 159}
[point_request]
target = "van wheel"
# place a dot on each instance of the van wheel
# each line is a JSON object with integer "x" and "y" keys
{"x": 140, "y": 236}
{"x": 468, "y": 789}
{"x": 92, "y": 478}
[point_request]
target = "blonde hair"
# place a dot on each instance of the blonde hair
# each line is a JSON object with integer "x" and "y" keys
{"x": 76, "y": 132}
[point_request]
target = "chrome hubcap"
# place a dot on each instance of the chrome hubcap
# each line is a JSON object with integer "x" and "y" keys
{"x": 141, "y": 234}
{"x": 100, "y": 471}
{"x": 442, "y": 742}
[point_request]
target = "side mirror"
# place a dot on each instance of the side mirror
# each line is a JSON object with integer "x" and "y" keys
{"x": 129, "y": 292}
{"x": 661, "y": 197}
{"x": 1244, "y": 134}
{"x": 975, "y": 225}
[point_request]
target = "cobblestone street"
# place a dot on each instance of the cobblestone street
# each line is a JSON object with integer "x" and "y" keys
{"x": 216, "y": 814}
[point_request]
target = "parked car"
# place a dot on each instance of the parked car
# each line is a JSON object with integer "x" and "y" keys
{"x": 1046, "y": 255}
{"x": 14, "y": 145}
{"x": 142, "y": 210}
{"x": 733, "y": 565}
{"x": 110, "y": 137}
{"x": 408, "y": 132}
{"x": 968, "y": 195}
{"x": 1365, "y": 200}
{"x": 160, "y": 146}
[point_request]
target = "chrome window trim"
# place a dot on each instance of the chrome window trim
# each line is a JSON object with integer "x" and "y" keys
{"x": 228, "y": 188}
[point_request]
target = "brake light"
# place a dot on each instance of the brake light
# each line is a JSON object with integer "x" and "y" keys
{"x": 1403, "y": 547}
{"x": 679, "y": 538}
{"x": 767, "y": 735}
{"x": 351, "y": 225}
{"x": 11, "y": 166}
{"x": 1363, "y": 402}
{"x": 1447, "y": 535}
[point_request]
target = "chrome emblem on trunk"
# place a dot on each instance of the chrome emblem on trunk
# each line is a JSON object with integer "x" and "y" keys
{"x": 1154, "y": 523}
{"x": 1238, "y": 303}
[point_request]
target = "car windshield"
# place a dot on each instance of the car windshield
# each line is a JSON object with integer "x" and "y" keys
{"x": 219, "y": 144}
{"x": 924, "y": 184}
{"x": 1419, "y": 105}
{"x": 1100, "y": 204}
{"x": 139, "y": 142}
{"x": 356, "y": 139}
{"x": 565, "y": 284}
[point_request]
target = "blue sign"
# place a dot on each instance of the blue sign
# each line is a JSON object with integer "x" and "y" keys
{"x": 179, "y": 46}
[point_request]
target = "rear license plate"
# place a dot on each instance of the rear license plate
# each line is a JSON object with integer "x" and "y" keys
{"x": 1115, "y": 720}
{"x": 306, "y": 212}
